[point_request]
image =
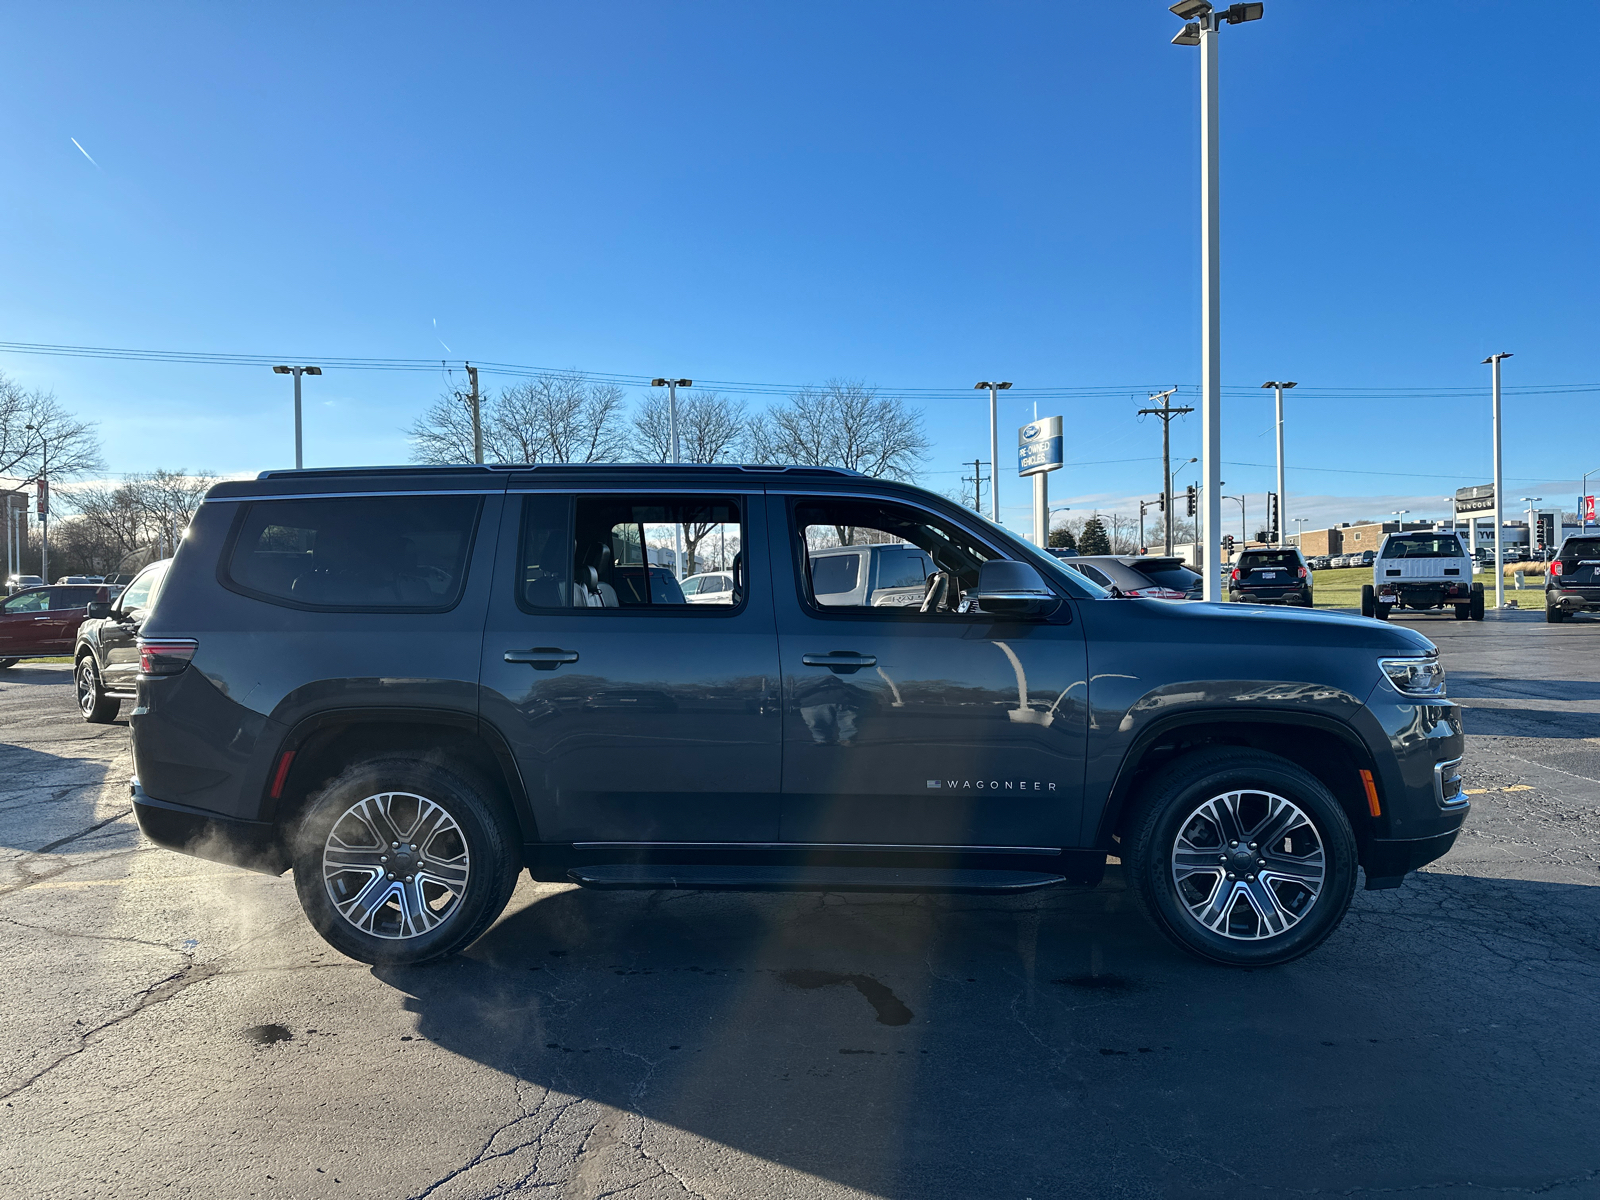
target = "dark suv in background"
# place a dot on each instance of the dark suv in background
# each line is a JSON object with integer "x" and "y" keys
{"x": 1150, "y": 576}
{"x": 409, "y": 684}
{"x": 1572, "y": 584}
{"x": 1270, "y": 577}
{"x": 105, "y": 657}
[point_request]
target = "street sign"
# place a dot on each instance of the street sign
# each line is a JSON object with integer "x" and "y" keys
{"x": 1475, "y": 499}
{"x": 1039, "y": 446}
{"x": 42, "y": 490}
{"x": 1588, "y": 509}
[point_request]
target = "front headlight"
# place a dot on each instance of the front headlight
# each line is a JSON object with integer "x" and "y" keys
{"x": 1414, "y": 676}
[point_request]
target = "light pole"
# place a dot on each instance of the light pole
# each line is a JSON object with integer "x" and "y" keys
{"x": 1202, "y": 25}
{"x": 1283, "y": 508}
{"x": 1299, "y": 533}
{"x": 672, "y": 386}
{"x": 1583, "y": 500}
{"x": 1243, "y": 536}
{"x": 1530, "y": 501}
{"x": 1499, "y": 546}
{"x": 994, "y": 446}
{"x": 299, "y": 459}
{"x": 42, "y": 501}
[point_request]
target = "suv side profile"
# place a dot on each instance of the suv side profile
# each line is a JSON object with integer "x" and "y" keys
{"x": 409, "y": 684}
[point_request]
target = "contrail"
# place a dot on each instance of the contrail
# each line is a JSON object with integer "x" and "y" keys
{"x": 436, "y": 336}
{"x": 82, "y": 151}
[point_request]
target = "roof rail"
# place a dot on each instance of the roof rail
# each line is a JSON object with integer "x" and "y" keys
{"x": 458, "y": 468}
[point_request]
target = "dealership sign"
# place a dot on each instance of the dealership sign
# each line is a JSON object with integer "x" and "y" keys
{"x": 1039, "y": 446}
{"x": 1475, "y": 499}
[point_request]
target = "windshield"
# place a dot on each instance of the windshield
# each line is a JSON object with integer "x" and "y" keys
{"x": 1423, "y": 545}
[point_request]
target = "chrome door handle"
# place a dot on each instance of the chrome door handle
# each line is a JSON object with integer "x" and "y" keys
{"x": 840, "y": 662}
{"x": 542, "y": 658}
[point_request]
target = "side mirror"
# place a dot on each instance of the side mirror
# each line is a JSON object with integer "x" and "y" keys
{"x": 1013, "y": 589}
{"x": 99, "y": 610}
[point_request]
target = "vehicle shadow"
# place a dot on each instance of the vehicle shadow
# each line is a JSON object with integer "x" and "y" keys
{"x": 47, "y": 798}
{"x": 1051, "y": 1044}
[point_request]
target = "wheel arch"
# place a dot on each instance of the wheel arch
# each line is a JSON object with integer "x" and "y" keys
{"x": 1328, "y": 749}
{"x": 325, "y": 743}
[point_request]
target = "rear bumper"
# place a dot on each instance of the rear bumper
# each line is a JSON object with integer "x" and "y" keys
{"x": 1388, "y": 862}
{"x": 1292, "y": 595}
{"x": 1573, "y": 599}
{"x": 251, "y": 844}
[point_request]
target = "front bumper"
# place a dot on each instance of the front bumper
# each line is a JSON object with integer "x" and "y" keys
{"x": 1387, "y": 862}
{"x": 254, "y": 845}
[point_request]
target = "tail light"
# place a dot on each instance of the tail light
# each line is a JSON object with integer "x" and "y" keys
{"x": 165, "y": 656}
{"x": 1234, "y": 575}
{"x": 1555, "y": 566}
{"x": 1302, "y": 572}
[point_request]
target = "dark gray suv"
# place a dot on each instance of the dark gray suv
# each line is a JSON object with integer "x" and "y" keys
{"x": 409, "y": 684}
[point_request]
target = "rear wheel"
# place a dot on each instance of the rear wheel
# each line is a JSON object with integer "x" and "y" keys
{"x": 7, "y": 663}
{"x": 1240, "y": 857}
{"x": 1381, "y": 611}
{"x": 1477, "y": 602}
{"x": 1554, "y": 614}
{"x": 93, "y": 703}
{"x": 1367, "y": 602}
{"x": 403, "y": 861}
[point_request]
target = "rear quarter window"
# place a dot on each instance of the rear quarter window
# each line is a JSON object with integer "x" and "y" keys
{"x": 388, "y": 553}
{"x": 834, "y": 574}
{"x": 1581, "y": 548}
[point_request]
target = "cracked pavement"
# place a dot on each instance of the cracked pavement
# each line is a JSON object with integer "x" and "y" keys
{"x": 666, "y": 1045}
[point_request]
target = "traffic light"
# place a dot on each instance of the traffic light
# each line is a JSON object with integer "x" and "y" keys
{"x": 1194, "y": 500}
{"x": 1272, "y": 516}
{"x": 1227, "y": 543}
{"x": 1161, "y": 502}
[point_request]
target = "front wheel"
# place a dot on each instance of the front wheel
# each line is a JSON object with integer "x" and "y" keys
{"x": 93, "y": 703}
{"x": 402, "y": 861}
{"x": 1240, "y": 857}
{"x": 7, "y": 663}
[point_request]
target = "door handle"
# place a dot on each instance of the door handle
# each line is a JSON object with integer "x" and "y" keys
{"x": 840, "y": 662}
{"x": 542, "y": 658}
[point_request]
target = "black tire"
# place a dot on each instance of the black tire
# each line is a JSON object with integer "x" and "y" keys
{"x": 7, "y": 663}
{"x": 1367, "y": 601}
{"x": 1382, "y": 611}
{"x": 1167, "y": 806}
{"x": 479, "y": 841}
{"x": 1554, "y": 615}
{"x": 96, "y": 707}
{"x": 1476, "y": 605}
{"x": 1463, "y": 612}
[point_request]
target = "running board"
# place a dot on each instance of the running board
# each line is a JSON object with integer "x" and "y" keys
{"x": 660, "y": 876}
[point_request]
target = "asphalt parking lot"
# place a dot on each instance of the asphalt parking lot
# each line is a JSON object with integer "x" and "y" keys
{"x": 176, "y": 1029}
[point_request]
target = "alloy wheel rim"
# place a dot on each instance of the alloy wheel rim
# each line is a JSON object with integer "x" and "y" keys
{"x": 1248, "y": 865}
{"x": 395, "y": 865}
{"x": 86, "y": 686}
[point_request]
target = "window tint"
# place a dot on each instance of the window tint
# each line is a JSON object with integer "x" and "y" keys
{"x": 693, "y": 587}
{"x": 1581, "y": 548}
{"x": 1250, "y": 560}
{"x": 1091, "y": 573}
{"x": 1171, "y": 575}
{"x": 390, "y": 552}
{"x": 28, "y": 602}
{"x": 141, "y": 592}
{"x": 902, "y": 538}
{"x": 623, "y": 551}
{"x": 1423, "y": 545}
{"x": 835, "y": 574}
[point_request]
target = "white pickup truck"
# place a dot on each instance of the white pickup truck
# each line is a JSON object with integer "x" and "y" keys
{"x": 1422, "y": 570}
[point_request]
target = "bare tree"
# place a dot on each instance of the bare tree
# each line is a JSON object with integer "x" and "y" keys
{"x": 548, "y": 419}
{"x": 842, "y": 424}
{"x": 57, "y": 441}
{"x": 711, "y": 428}
{"x": 130, "y": 519}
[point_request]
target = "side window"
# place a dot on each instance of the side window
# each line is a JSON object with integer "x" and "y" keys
{"x": 138, "y": 594}
{"x": 864, "y": 554}
{"x": 361, "y": 554}
{"x": 629, "y": 552}
{"x": 1092, "y": 573}
{"x": 28, "y": 602}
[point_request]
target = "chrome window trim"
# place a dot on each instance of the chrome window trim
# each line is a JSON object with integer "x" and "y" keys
{"x": 887, "y": 846}
{"x": 354, "y": 495}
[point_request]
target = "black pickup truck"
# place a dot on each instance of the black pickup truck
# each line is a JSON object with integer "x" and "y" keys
{"x": 409, "y": 684}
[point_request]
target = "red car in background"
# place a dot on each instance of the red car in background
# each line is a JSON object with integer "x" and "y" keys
{"x": 45, "y": 620}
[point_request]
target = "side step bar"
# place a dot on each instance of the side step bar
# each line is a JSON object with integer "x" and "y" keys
{"x": 690, "y": 876}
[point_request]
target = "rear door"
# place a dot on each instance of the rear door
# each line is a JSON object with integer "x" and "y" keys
{"x": 909, "y": 728}
{"x": 635, "y": 717}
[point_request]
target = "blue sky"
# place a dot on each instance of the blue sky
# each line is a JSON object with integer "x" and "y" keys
{"x": 916, "y": 195}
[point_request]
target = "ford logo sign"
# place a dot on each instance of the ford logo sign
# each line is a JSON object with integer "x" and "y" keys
{"x": 1030, "y": 432}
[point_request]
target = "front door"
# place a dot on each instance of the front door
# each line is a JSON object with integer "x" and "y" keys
{"x": 636, "y": 717}
{"x": 927, "y": 725}
{"x": 119, "y": 638}
{"x": 30, "y": 623}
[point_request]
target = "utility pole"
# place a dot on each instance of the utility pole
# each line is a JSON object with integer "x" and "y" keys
{"x": 477, "y": 416}
{"x": 994, "y": 445}
{"x": 672, "y": 386}
{"x": 1166, "y": 412}
{"x": 976, "y": 480}
{"x": 299, "y": 458}
{"x": 1283, "y": 516}
{"x": 1499, "y": 519}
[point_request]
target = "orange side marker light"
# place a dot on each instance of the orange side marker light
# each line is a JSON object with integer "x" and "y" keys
{"x": 1372, "y": 793}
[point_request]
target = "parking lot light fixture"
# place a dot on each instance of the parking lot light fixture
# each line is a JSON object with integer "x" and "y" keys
{"x": 672, "y": 386}
{"x": 1203, "y": 25}
{"x": 299, "y": 458}
{"x": 994, "y": 445}
{"x": 1493, "y": 362}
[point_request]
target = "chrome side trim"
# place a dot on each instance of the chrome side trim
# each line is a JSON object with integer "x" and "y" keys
{"x": 356, "y": 495}
{"x": 1452, "y": 765}
{"x": 1049, "y": 850}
